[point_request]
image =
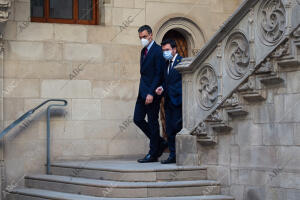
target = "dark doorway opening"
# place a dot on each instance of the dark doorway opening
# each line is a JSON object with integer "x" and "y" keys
{"x": 182, "y": 46}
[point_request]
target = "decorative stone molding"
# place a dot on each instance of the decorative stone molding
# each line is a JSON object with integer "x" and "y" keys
{"x": 195, "y": 51}
{"x": 249, "y": 90}
{"x": 232, "y": 101}
{"x": 282, "y": 50}
{"x": 237, "y": 55}
{"x": 249, "y": 85}
{"x": 185, "y": 62}
{"x": 200, "y": 130}
{"x": 240, "y": 60}
{"x": 4, "y": 10}
{"x": 272, "y": 21}
{"x": 266, "y": 67}
{"x": 206, "y": 86}
{"x": 216, "y": 116}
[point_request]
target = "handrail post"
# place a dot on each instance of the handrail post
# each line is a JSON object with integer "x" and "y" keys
{"x": 49, "y": 135}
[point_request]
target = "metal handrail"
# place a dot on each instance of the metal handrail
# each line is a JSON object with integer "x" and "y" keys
{"x": 29, "y": 113}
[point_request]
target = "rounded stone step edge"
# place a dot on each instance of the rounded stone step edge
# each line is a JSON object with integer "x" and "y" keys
{"x": 122, "y": 189}
{"x": 31, "y": 194}
{"x": 149, "y": 176}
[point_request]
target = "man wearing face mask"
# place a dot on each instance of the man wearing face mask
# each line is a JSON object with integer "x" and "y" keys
{"x": 172, "y": 90}
{"x": 152, "y": 63}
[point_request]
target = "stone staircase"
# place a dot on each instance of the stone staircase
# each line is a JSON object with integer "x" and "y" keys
{"x": 119, "y": 179}
{"x": 235, "y": 70}
{"x": 268, "y": 75}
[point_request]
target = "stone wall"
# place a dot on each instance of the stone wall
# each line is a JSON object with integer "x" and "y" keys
{"x": 259, "y": 158}
{"x": 96, "y": 68}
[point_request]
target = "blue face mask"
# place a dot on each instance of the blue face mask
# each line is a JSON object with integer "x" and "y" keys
{"x": 168, "y": 55}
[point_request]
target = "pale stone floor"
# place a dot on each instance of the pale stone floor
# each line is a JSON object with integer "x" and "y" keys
{"x": 124, "y": 165}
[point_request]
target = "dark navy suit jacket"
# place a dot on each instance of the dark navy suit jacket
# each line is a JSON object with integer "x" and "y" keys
{"x": 172, "y": 83}
{"x": 151, "y": 70}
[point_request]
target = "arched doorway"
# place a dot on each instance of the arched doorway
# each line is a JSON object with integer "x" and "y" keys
{"x": 184, "y": 29}
{"x": 182, "y": 45}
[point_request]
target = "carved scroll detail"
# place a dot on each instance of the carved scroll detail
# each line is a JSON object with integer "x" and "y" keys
{"x": 207, "y": 87}
{"x": 237, "y": 55}
{"x": 272, "y": 21}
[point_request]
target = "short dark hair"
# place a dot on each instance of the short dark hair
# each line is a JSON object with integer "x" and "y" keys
{"x": 145, "y": 28}
{"x": 169, "y": 41}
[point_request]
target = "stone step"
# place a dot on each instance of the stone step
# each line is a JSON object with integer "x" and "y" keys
{"x": 207, "y": 141}
{"x": 36, "y": 194}
{"x": 128, "y": 170}
{"x": 103, "y": 188}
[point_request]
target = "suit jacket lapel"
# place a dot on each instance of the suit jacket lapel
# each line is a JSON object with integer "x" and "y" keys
{"x": 176, "y": 61}
{"x": 149, "y": 52}
{"x": 141, "y": 57}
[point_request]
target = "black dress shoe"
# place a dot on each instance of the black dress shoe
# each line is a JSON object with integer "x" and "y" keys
{"x": 162, "y": 148}
{"x": 147, "y": 159}
{"x": 169, "y": 160}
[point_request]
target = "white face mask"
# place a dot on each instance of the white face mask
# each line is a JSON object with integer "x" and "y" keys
{"x": 144, "y": 42}
{"x": 168, "y": 55}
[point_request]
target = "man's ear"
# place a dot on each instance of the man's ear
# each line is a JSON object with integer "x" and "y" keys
{"x": 175, "y": 50}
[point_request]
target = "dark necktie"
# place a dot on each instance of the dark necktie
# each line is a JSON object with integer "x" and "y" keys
{"x": 170, "y": 66}
{"x": 145, "y": 53}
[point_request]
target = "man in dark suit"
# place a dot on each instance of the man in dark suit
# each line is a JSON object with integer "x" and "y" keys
{"x": 152, "y": 63}
{"x": 172, "y": 91}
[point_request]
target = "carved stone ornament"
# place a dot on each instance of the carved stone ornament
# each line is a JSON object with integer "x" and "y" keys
{"x": 4, "y": 10}
{"x": 271, "y": 21}
{"x": 200, "y": 129}
{"x": 206, "y": 87}
{"x": 237, "y": 55}
{"x": 265, "y": 67}
{"x": 249, "y": 85}
{"x": 185, "y": 62}
{"x": 282, "y": 50}
{"x": 232, "y": 101}
{"x": 216, "y": 116}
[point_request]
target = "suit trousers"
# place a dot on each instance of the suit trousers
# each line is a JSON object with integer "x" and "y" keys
{"x": 173, "y": 123}
{"x": 151, "y": 126}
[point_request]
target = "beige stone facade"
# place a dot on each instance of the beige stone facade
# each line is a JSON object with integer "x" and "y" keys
{"x": 41, "y": 61}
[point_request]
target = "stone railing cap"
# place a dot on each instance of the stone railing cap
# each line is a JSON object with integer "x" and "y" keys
{"x": 224, "y": 30}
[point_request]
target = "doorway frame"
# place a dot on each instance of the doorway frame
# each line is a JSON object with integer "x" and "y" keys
{"x": 194, "y": 36}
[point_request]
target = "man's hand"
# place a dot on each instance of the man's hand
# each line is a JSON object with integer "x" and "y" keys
{"x": 159, "y": 90}
{"x": 149, "y": 99}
